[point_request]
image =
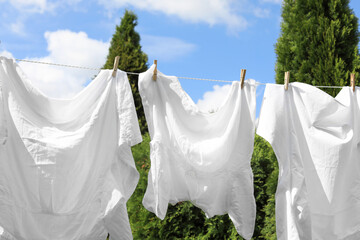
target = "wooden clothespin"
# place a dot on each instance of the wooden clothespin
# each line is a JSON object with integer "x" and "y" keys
{"x": 352, "y": 81}
{"x": 116, "y": 64}
{"x": 242, "y": 77}
{"x": 286, "y": 80}
{"x": 155, "y": 71}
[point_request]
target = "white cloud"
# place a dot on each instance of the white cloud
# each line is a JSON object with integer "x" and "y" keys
{"x": 40, "y": 6}
{"x": 165, "y": 48}
{"x": 261, "y": 13}
{"x": 18, "y": 27}
{"x": 195, "y": 11}
{"x": 69, "y": 48}
{"x": 30, "y": 5}
{"x": 6, "y": 54}
{"x": 214, "y": 99}
{"x": 65, "y": 45}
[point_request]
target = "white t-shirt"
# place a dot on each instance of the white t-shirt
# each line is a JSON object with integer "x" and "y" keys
{"x": 199, "y": 156}
{"x": 66, "y": 168}
{"x": 316, "y": 140}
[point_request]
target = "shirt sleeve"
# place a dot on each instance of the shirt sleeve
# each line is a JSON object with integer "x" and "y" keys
{"x": 129, "y": 130}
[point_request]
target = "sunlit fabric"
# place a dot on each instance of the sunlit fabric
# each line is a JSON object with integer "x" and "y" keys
{"x": 66, "y": 168}
{"x": 316, "y": 141}
{"x": 199, "y": 156}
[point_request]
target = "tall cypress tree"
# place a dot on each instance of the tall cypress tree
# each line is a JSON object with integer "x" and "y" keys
{"x": 318, "y": 42}
{"x": 126, "y": 44}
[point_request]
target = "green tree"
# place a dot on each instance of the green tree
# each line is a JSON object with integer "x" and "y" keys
{"x": 268, "y": 230}
{"x": 318, "y": 43}
{"x": 126, "y": 44}
{"x": 264, "y": 166}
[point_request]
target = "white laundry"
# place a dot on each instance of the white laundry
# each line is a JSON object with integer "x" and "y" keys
{"x": 66, "y": 167}
{"x": 199, "y": 156}
{"x": 316, "y": 140}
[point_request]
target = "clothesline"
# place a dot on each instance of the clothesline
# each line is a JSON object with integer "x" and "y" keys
{"x": 133, "y": 73}
{"x": 98, "y": 69}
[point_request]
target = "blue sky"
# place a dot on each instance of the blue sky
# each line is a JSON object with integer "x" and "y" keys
{"x": 193, "y": 38}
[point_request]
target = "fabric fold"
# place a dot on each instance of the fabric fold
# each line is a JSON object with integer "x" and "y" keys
{"x": 199, "y": 156}
{"x": 66, "y": 170}
{"x": 315, "y": 138}
{"x": 3, "y": 125}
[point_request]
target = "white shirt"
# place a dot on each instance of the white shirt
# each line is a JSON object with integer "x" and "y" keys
{"x": 66, "y": 168}
{"x": 199, "y": 156}
{"x": 316, "y": 140}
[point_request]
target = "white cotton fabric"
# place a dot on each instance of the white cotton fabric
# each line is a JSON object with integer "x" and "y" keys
{"x": 199, "y": 156}
{"x": 66, "y": 168}
{"x": 316, "y": 140}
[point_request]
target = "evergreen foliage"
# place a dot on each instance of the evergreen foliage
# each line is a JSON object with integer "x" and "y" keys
{"x": 264, "y": 167}
{"x": 318, "y": 43}
{"x": 184, "y": 220}
{"x": 126, "y": 44}
{"x": 269, "y": 228}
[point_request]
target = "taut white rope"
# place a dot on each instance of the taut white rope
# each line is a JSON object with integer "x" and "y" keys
{"x": 57, "y": 64}
{"x": 133, "y": 73}
{"x": 205, "y": 79}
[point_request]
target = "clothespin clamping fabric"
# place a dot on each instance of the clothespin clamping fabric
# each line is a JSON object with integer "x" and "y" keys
{"x": 286, "y": 81}
{"x": 242, "y": 77}
{"x": 116, "y": 64}
{"x": 352, "y": 81}
{"x": 155, "y": 71}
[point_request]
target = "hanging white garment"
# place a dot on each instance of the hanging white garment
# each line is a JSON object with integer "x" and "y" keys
{"x": 198, "y": 156}
{"x": 316, "y": 140}
{"x": 66, "y": 168}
